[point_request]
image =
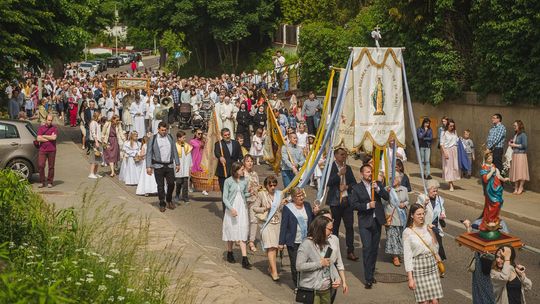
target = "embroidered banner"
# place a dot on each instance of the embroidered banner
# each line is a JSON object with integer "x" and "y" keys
{"x": 345, "y": 135}
{"x": 378, "y": 96}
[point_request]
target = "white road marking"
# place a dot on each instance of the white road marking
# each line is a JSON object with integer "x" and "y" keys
{"x": 464, "y": 293}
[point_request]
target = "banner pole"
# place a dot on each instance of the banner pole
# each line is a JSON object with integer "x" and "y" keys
{"x": 412, "y": 123}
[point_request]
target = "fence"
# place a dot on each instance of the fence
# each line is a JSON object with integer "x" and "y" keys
{"x": 285, "y": 78}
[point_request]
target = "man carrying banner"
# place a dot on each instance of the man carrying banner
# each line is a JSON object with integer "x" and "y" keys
{"x": 292, "y": 158}
{"x": 227, "y": 151}
{"x": 370, "y": 219}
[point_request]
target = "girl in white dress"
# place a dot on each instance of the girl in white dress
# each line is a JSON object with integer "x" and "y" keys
{"x": 132, "y": 163}
{"x": 236, "y": 218}
{"x": 147, "y": 183}
{"x": 257, "y": 145}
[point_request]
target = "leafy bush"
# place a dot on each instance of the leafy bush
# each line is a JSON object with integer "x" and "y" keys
{"x": 78, "y": 257}
{"x": 263, "y": 61}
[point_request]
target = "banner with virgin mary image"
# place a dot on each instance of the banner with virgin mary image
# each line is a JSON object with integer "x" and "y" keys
{"x": 378, "y": 96}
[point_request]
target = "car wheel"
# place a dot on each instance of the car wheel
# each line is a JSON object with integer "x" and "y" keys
{"x": 22, "y": 167}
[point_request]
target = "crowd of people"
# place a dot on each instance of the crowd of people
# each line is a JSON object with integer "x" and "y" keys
{"x": 121, "y": 130}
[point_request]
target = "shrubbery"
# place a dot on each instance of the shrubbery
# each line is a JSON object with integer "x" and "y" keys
{"x": 76, "y": 257}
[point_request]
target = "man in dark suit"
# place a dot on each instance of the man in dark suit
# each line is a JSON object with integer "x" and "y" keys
{"x": 340, "y": 184}
{"x": 227, "y": 151}
{"x": 88, "y": 114}
{"x": 370, "y": 219}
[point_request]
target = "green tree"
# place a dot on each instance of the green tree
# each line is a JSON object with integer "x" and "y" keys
{"x": 40, "y": 32}
{"x": 506, "y": 51}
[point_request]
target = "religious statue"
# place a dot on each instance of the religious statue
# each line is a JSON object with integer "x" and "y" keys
{"x": 378, "y": 98}
{"x": 493, "y": 192}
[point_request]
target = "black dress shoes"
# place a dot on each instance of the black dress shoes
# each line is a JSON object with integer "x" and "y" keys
{"x": 373, "y": 281}
{"x": 368, "y": 286}
{"x": 230, "y": 257}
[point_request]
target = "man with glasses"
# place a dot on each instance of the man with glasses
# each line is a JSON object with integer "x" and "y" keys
{"x": 227, "y": 151}
{"x": 340, "y": 184}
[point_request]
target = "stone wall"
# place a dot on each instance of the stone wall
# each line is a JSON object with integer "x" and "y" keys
{"x": 470, "y": 113}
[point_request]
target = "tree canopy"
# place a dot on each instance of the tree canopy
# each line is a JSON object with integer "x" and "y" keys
{"x": 39, "y": 32}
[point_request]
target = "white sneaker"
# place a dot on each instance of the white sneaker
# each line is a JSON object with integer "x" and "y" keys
{"x": 92, "y": 176}
{"x": 99, "y": 176}
{"x": 190, "y": 190}
{"x": 205, "y": 193}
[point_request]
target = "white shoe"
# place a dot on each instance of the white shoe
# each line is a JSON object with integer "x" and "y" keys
{"x": 205, "y": 193}
{"x": 190, "y": 190}
{"x": 99, "y": 176}
{"x": 92, "y": 176}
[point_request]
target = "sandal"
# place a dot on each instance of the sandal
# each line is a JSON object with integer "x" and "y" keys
{"x": 252, "y": 247}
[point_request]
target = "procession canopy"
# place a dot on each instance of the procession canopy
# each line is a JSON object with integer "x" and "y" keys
{"x": 377, "y": 98}
{"x": 132, "y": 84}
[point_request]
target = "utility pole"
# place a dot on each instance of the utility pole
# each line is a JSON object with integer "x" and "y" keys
{"x": 115, "y": 29}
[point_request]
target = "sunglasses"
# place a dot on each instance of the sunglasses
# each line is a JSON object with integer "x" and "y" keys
{"x": 198, "y": 133}
{"x": 272, "y": 185}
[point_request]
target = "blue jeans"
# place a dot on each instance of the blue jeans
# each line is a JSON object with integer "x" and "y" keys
{"x": 425, "y": 155}
{"x": 288, "y": 176}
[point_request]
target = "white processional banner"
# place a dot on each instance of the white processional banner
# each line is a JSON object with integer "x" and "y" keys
{"x": 345, "y": 135}
{"x": 378, "y": 96}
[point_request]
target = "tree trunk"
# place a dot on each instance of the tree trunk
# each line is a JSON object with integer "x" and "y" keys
{"x": 162, "y": 57}
{"x": 220, "y": 56}
{"x": 58, "y": 67}
{"x": 205, "y": 55}
{"x": 237, "y": 55}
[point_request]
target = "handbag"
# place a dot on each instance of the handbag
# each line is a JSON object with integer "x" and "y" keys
{"x": 389, "y": 218}
{"x": 97, "y": 153}
{"x": 440, "y": 264}
{"x": 262, "y": 216}
{"x": 305, "y": 295}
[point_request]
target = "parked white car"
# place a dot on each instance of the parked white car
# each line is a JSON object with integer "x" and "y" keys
{"x": 125, "y": 58}
{"x": 86, "y": 66}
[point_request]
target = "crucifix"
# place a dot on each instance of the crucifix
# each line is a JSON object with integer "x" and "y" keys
{"x": 376, "y": 34}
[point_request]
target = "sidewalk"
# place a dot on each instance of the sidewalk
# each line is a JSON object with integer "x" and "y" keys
{"x": 524, "y": 207}
{"x": 213, "y": 282}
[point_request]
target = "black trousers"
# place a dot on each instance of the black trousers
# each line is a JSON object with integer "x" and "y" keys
{"x": 182, "y": 188}
{"x": 370, "y": 236}
{"x": 344, "y": 211}
{"x": 221, "y": 181}
{"x": 310, "y": 122}
{"x": 498, "y": 158}
{"x": 293, "y": 252}
{"x": 164, "y": 174}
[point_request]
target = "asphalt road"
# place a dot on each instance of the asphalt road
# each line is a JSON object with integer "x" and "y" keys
{"x": 201, "y": 220}
{"x": 150, "y": 62}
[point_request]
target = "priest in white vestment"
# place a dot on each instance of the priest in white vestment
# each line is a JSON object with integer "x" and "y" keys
{"x": 138, "y": 111}
{"x": 228, "y": 115}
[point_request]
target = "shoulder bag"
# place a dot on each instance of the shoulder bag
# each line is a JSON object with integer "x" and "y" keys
{"x": 440, "y": 264}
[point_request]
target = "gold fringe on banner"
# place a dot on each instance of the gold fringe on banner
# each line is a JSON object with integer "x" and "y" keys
{"x": 365, "y": 51}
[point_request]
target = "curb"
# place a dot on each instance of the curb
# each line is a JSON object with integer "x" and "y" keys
{"x": 477, "y": 205}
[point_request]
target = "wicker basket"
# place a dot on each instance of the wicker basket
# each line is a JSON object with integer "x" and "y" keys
{"x": 201, "y": 182}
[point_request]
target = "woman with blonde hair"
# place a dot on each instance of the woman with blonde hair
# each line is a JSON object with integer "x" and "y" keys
{"x": 519, "y": 170}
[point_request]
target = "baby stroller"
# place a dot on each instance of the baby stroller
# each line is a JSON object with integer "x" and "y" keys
{"x": 205, "y": 111}
{"x": 197, "y": 121}
{"x": 185, "y": 116}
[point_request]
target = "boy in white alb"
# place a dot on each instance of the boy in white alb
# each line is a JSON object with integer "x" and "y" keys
{"x": 182, "y": 175}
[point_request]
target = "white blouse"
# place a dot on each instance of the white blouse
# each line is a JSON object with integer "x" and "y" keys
{"x": 449, "y": 139}
{"x": 413, "y": 246}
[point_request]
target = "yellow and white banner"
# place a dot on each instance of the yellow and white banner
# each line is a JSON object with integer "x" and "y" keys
{"x": 378, "y": 96}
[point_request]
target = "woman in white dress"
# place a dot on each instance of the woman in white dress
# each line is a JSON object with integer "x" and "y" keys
{"x": 236, "y": 219}
{"x": 132, "y": 164}
{"x": 147, "y": 183}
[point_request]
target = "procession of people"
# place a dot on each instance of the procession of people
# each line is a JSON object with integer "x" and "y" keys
{"x": 136, "y": 136}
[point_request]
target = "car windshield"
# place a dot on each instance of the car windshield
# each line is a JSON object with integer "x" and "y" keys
{"x": 31, "y": 129}
{"x": 85, "y": 65}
